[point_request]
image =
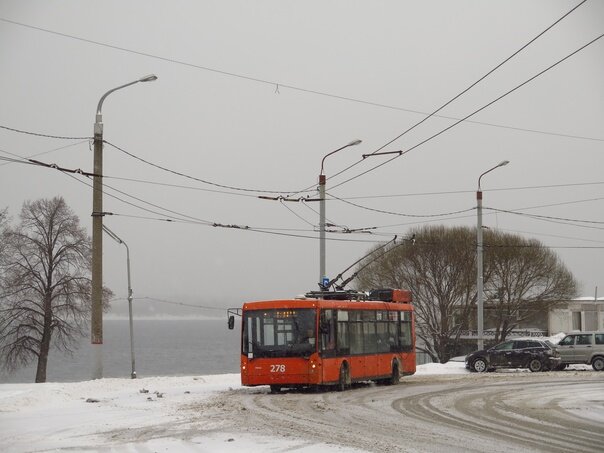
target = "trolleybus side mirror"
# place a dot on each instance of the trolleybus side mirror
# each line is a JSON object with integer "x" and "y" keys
{"x": 231, "y": 322}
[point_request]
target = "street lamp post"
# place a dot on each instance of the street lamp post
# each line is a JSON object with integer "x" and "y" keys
{"x": 116, "y": 238}
{"x": 479, "y": 254}
{"x": 96, "y": 336}
{"x": 322, "y": 181}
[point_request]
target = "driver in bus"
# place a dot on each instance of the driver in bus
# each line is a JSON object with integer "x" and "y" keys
{"x": 308, "y": 337}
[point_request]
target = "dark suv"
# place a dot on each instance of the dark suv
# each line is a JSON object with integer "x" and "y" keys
{"x": 536, "y": 355}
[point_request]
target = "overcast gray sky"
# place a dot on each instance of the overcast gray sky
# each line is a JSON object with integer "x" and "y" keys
{"x": 252, "y": 95}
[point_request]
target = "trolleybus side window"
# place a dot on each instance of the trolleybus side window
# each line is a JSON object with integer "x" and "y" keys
{"x": 355, "y": 325}
{"x": 369, "y": 333}
{"x": 406, "y": 341}
{"x": 343, "y": 344}
{"x": 327, "y": 328}
{"x": 393, "y": 328}
{"x": 384, "y": 341}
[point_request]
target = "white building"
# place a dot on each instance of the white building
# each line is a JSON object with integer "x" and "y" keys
{"x": 581, "y": 314}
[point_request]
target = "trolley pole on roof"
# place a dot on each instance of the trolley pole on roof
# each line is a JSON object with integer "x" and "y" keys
{"x": 322, "y": 181}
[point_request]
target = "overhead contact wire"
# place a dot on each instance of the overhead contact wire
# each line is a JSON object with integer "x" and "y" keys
{"x": 184, "y": 175}
{"x": 474, "y": 112}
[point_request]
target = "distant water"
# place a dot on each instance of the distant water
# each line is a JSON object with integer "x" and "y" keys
{"x": 161, "y": 348}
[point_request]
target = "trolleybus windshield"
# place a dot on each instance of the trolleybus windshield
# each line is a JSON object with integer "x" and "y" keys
{"x": 279, "y": 332}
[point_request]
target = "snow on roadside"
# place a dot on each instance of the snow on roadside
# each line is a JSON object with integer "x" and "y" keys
{"x": 125, "y": 415}
{"x": 451, "y": 367}
{"x": 64, "y": 415}
{"x": 145, "y": 414}
{"x": 108, "y": 414}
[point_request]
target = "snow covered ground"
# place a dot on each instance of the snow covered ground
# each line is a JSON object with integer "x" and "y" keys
{"x": 143, "y": 415}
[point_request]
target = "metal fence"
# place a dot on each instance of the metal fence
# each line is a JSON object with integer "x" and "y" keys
{"x": 473, "y": 334}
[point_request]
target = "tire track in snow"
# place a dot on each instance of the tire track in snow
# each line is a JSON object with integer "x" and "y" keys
{"x": 458, "y": 413}
{"x": 512, "y": 412}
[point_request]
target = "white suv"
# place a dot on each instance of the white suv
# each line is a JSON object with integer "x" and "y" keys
{"x": 582, "y": 347}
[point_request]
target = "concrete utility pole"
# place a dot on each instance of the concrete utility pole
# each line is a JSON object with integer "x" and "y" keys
{"x": 479, "y": 255}
{"x": 322, "y": 181}
{"x": 96, "y": 336}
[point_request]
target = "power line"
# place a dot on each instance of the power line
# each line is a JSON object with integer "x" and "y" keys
{"x": 456, "y": 192}
{"x": 24, "y": 160}
{"x": 191, "y": 219}
{"x": 205, "y": 222}
{"x": 468, "y": 88}
{"x": 329, "y": 222}
{"x": 595, "y": 222}
{"x": 400, "y": 213}
{"x": 419, "y": 242}
{"x": 37, "y": 134}
{"x": 178, "y": 186}
{"x": 42, "y": 164}
{"x": 300, "y": 89}
{"x": 274, "y": 232}
{"x": 182, "y": 218}
{"x": 183, "y": 304}
{"x": 265, "y": 230}
{"x": 296, "y": 214}
{"x": 551, "y": 235}
{"x": 196, "y": 221}
{"x": 297, "y": 88}
{"x": 44, "y": 152}
{"x": 472, "y": 85}
{"x": 471, "y": 114}
{"x": 184, "y": 175}
{"x": 11, "y": 160}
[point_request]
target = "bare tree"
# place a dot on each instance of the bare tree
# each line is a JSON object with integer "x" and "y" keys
{"x": 523, "y": 278}
{"x": 439, "y": 268}
{"x": 46, "y": 284}
{"x": 4, "y": 220}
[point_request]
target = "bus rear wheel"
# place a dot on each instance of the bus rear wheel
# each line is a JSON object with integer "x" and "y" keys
{"x": 344, "y": 381}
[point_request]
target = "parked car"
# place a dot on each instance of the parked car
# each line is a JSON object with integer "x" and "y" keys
{"x": 582, "y": 347}
{"x": 536, "y": 355}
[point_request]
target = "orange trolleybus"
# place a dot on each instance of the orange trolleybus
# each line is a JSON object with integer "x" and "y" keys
{"x": 327, "y": 338}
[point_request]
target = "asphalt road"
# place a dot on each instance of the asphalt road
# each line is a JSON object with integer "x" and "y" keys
{"x": 493, "y": 412}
